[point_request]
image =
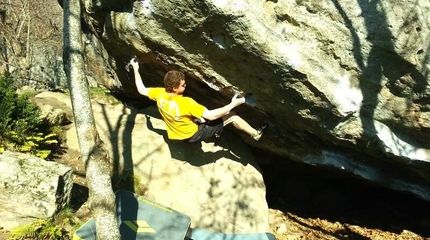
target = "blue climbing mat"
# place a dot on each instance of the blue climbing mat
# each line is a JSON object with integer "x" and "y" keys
{"x": 140, "y": 218}
{"x": 201, "y": 234}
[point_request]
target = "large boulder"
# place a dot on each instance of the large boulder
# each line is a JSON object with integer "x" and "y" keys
{"x": 31, "y": 188}
{"x": 217, "y": 183}
{"x": 343, "y": 84}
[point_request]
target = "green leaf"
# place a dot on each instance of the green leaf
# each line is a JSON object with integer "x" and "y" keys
{"x": 43, "y": 153}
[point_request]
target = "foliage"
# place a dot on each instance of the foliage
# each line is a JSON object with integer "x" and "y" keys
{"x": 20, "y": 125}
{"x": 18, "y": 113}
{"x": 103, "y": 95}
{"x": 67, "y": 217}
{"x": 39, "y": 229}
{"x": 34, "y": 143}
{"x": 52, "y": 228}
{"x": 139, "y": 188}
{"x": 128, "y": 181}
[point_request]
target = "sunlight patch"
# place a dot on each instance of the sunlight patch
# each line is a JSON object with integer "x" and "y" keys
{"x": 147, "y": 7}
{"x": 290, "y": 53}
{"x": 397, "y": 146}
{"x": 235, "y": 6}
{"x": 348, "y": 98}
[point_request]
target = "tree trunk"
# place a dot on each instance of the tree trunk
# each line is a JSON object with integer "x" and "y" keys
{"x": 93, "y": 152}
{"x": 27, "y": 57}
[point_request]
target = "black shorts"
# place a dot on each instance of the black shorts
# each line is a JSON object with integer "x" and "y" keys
{"x": 207, "y": 130}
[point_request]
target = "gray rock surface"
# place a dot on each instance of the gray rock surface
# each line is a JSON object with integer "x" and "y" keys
{"x": 31, "y": 188}
{"x": 217, "y": 183}
{"x": 338, "y": 81}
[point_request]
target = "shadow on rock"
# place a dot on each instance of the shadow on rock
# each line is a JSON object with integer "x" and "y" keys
{"x": 228, "y": 146}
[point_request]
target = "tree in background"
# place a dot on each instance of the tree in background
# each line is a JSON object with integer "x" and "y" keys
{"x": 30, "y": 41}
{"x": 93, "y": 151}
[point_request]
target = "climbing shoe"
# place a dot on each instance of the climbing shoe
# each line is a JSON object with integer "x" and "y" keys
{"x": 260, "y": 131}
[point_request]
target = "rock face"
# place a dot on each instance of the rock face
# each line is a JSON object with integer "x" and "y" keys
{"x": 31, "y": 188}
{"x": 342, "y": 83}
{"x": 217, "y": 183}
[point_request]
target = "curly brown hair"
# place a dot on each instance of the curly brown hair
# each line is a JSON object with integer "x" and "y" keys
{"x": 172, "y": 80}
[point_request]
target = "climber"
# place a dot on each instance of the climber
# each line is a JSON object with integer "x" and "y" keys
{"x": 185, "y": 118}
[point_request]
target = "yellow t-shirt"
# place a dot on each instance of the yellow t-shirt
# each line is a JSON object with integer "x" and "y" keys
{"x": 178, "y": 112}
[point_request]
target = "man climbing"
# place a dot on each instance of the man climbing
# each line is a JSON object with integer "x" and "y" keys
{"x": 185, "y": 118}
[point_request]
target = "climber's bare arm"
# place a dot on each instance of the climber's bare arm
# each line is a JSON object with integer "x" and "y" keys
{"x": 138, "y": 79}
